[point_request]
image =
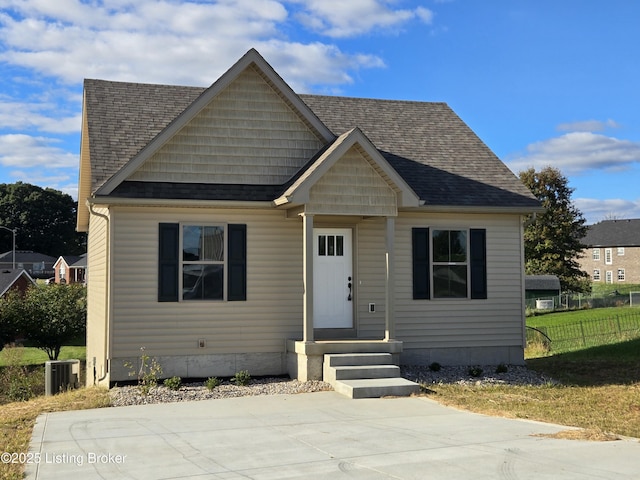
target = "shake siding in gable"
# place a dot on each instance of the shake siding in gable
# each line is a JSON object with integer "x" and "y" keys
{"x": 352, "y": 187}
{"x": 271, "y": 313}
{"x": 246, "y": 135}
{"x": 440, "y": 323}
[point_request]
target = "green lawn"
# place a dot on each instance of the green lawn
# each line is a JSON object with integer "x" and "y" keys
{"x": 35, "y": 356}
{"x": 575, "y": 316}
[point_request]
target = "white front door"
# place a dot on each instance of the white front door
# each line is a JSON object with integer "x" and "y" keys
{"x": 332, "y": 278}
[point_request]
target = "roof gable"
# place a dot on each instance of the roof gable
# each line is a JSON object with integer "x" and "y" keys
{"x": 250, "y": 61}
{"x": 364, "y": 164}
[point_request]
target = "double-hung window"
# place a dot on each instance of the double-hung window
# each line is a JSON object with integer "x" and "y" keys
{"x": 608, "y": 256}
{"x": 449, "y": 263}
{"x": 596, "y": 275}
{"x": 596, "y": 254}
{"x": 202, "y": 262}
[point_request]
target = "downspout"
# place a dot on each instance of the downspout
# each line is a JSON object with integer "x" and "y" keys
{"x": 106, "y": 302}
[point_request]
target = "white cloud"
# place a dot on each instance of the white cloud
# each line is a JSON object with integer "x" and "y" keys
{"x": 587, "y": 126}
{"x": 577, "y": 152}
{"x": 342, "y": 18}
{"x": 19, "y": 150}
{"x": 40, "y": 116}
{"x": 595, "y": 210}
{"x": 176, "y": 42}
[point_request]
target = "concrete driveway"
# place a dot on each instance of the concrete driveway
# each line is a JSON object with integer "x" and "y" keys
{"x": 313, "y": 436}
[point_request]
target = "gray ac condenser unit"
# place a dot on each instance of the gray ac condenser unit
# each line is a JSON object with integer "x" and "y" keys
{"x": 61, "y": 375}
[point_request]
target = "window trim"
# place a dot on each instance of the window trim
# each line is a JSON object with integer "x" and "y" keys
{"x": 595, "y": 255}
{"x": 170, "y": 264}
{"x": 620, "y": 251}
{"x": 182, "y": 262}
{"x": 621, "y": 275}
{"x": 423, "y": 265}
{"x": 596, "y": 275}
{"x": 608, "y": 256}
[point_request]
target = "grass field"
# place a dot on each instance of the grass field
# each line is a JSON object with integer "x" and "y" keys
{"x": 35, "y": 356}
{"x": 557, "y": 318}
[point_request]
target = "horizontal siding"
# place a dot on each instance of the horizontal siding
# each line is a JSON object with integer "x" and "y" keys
{"x": 371, "y": 277}
{"x": 246, "y": 135}
{"x": 97, "y": 258}
{"x": 440, "y": 323}
{"x": 272, "y": 312}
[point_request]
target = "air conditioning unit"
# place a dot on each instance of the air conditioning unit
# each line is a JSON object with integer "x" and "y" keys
{"x": 544, "y": 304}
{"x": 61, "y": 375}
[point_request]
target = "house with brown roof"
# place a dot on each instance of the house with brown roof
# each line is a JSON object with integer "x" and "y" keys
{"x": 613, "y": 252}
{"x": 246, "y": 227}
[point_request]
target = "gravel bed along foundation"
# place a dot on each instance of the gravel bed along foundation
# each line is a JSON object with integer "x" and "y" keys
{"x": 515, "y": 375}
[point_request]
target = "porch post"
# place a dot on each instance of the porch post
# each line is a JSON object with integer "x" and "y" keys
{"x": 307, "y": 277}
{"x": 389, "y": 312}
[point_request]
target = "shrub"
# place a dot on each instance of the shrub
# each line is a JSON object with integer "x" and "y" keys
{"x": 475, "y": 371}
{"x": 435, "y": 367}
{"x": 173, "y": 383}
{"x": 502, "y": 368}
{"x": 241, "y": 378}
{"x": 17, "y": 382}
{"x": 211, "y": 383}
{"x": 147, "y": 374}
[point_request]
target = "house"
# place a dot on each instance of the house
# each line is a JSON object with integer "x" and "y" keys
{"x": 37, "y": 265}
{"x": 14, "y": 279}
{"x": 613, "y": 252}
{"x": 244, "y": 226}
{"x": 542, "y": 291}
{"x": 70, "y": 269}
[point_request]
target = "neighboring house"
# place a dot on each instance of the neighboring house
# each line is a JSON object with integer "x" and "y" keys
{"x": 70, "y": 269}
{"x": 243, "y": 226}
{"x": 16, "y": 279}
{"x": 36, "y": 264}
{"x": 539, "y": 289}
{"x": 613, "y": 252}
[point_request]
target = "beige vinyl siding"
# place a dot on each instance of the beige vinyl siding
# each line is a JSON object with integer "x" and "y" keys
{"x": 246, "y": 135}
{"x": 271, "y": 313}
{"x": 370, "y": 277}
{"x": 352, "y": 187}
{"x": 451, "y": 323}
{"x": 97, "y": 307}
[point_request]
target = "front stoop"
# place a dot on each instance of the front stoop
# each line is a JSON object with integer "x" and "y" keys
{"x": 366, "y": 375}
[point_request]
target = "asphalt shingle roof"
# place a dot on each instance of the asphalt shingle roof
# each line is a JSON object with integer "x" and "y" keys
{"x": 436, "y": 153}
{"x": 613, "y": 233}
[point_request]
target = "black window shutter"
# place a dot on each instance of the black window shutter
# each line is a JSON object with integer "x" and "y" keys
{"x": 237, "y": 262}
{"x": 478, "y": 237}
{"x": 168, "y": 262}
{"x": 421, "y": 274}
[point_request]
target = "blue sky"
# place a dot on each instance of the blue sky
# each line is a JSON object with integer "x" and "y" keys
{"x": 542, "y": 82}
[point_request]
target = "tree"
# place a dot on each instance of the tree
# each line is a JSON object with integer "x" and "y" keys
{"x": 553, "y": 239}
{"x": 44, "y": 220}
{"x": 51, "y": 315}
{"x": 9, "y": 313}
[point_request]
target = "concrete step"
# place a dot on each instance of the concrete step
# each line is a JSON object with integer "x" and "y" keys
{"x": 342, "y": 359}
{"x": 375, "y": 388}
{"x": 349, "y": 372}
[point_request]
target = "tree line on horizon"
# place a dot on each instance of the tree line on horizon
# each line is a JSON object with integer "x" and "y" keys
{"x": 44, "y": 220}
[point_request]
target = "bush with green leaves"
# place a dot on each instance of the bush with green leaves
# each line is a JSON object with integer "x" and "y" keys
{"x": 211, "y": 383}
{"x": 241, "y": 378}
{"x": 173, "y": 383}
{"x": 48, "y": 315}
{"x": 18, "y": 382}
{"x": 475, "y": 372}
